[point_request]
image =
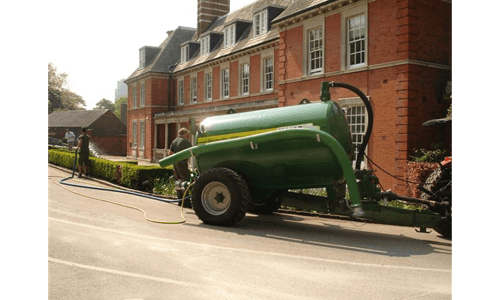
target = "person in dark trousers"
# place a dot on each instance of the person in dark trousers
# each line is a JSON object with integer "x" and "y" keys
{"x": 83, "y": 152}
{"x": 181, "y": 170}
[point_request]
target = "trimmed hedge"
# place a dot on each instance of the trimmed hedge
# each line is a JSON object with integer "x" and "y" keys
{"x": 127, "y": 174}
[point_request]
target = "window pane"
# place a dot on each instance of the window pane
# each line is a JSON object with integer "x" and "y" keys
{"x": 356, "y": 40}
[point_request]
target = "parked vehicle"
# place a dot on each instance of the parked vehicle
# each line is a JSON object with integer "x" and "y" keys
{"x": 251, "y": 160}
{"x": 55, "y": 142}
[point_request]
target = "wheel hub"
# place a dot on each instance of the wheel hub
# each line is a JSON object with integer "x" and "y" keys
{"x": 216, "y": 198}
{"x": 219, "y": 198}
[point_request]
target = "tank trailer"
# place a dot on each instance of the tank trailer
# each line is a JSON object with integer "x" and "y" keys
{"x": 248, "y": 162}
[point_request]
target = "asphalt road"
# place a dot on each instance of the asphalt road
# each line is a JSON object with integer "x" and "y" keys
{"x": 99, "y": 250}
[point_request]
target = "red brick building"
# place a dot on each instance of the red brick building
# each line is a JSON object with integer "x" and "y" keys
{"x": 275, "y": 53}
{"x": 108, "y": 136}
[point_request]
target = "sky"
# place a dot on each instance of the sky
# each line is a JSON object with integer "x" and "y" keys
{"x": 97, "y": 44}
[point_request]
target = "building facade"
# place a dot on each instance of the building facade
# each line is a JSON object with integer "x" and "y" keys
{"x": 274, "y": 53}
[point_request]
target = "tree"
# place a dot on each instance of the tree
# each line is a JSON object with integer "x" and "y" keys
{"x": 118, "y": 106}
{"x": 59, "y": 96}
{"x": 105, "y": 104}
{"x": 72, "y": 101}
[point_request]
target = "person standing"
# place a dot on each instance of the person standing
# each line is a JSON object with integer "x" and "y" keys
{"x": 70, "y": 138}
{"x": 181, "y": 170}
{"x": 83, "y": 152}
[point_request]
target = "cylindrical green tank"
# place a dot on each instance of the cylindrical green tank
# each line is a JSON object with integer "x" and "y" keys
{"x": 281, "y": 164}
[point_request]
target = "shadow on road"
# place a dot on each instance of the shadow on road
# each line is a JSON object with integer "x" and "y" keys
{"x": 293, "y": 229}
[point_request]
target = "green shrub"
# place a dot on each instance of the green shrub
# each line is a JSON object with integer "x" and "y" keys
{"x": 123, "y": 173}
{"x": 164, "y": 186}
{"x": 131, "y": 162}
{"x": 434, "y": 155}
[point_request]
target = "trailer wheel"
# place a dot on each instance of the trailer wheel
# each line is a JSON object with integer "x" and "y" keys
{"x": 269, "y": 205}
{"x": 439, "y": 182}
{"x": 443, "y": 227}
{"x": 220, "y": 197}
{"x": 436, "y": 180}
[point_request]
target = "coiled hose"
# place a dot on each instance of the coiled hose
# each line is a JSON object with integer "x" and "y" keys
{"x": 63, "y": 182}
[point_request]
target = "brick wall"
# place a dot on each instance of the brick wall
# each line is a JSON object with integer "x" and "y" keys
{"x": 156, "y": 91}
{"x": 403, "y": 96}
{"x": 200, "y": 85}
{"x": 111, "y": 145}
{"x": 255, "y": 77}
{"x": 332, "y": 43}
{"x": 234, "y": 77}
{"x": 208, "y": 10}
{"x": 216, "y": 82}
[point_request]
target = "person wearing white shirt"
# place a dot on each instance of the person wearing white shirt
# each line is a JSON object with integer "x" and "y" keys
{"x": 70, "y": 138}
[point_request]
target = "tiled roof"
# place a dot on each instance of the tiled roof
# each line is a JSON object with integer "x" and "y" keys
{"x": 169, "y": 53}
{"x": 246, "y": 41}
{"x": 300, "y": 6}
{"x": 75, "y": 118}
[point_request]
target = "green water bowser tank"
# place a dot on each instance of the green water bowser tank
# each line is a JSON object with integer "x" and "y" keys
{"x": 283, "y": 164}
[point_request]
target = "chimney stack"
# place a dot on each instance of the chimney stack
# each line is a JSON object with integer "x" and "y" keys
{"x": 209, "y": 10}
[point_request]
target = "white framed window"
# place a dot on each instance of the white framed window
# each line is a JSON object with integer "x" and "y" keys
{"x": 184, "y": 54}
{"x": 142, "y": 134}
{"x": 225, "y": 83}
{"x": 134, "y": 97}
{"x": 208, "y": 87}
{"x": 205, "y": 45}
{"x": 356, "y": 41}
{"x": 194, "y": 90}
{"x": 180, "y": 93}
{"x": 357, "y": 120}
{"x": 260, "y": 23}
{"x": 143, "y": 95}
{"x": 354, "y": 37}
{"x": 315, "y": 51}
{"x": 134, "y": 133}
{"x": 229, "y": 35}
{"x": 245, "y": 79}
{"x": 268, "y": 74}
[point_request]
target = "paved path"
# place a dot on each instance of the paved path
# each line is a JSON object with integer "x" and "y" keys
{"x": 124, "y": 158}
{"x": 98, "y": 250}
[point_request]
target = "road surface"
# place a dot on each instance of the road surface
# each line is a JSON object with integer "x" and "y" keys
{"x": 99, "y": 250}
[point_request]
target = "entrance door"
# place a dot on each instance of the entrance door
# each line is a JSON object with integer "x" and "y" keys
{"x": 172, "y": 133}
{"x": 160, "y": 136}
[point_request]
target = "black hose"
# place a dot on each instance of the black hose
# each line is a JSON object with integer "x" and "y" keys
{"x": 62, "y": 181}
{"x": 369, "y": 127}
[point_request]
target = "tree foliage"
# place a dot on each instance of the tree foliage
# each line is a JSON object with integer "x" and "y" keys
{"x": 118, "y": 105}
{"x": 59, "y": 96}
{"x": 105, "y": 104}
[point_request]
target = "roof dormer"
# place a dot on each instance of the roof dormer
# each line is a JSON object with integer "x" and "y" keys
{"x": 234, "y": 31}
{"x": 209, "y": 41}
{"x": 146, "y": 55}
{"x": 188, "y": 50}
{"x": 262, "y": 19}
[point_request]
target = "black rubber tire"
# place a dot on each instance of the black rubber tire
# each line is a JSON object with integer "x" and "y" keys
{"x": 444, "y": 227}
{"x": 234, "y": 193}
{"x": 433, "y": 182}
{"x": 268, "y": 206}
{"x": 438, "y": 179}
